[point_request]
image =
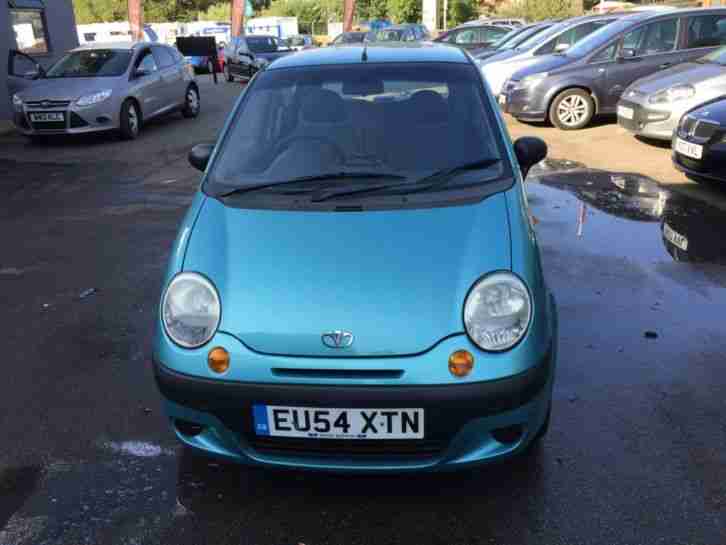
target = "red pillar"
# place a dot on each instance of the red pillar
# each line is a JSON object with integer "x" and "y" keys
{"x": 348, "y": 11}
{"x": 238, "y": 17}
{"x": 136, "y": 19}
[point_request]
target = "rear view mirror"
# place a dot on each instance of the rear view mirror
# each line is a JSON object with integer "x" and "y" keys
{"x": 199, "y": 156}
{"x": 627, "y": 53}
{"x": 529, "y": 151}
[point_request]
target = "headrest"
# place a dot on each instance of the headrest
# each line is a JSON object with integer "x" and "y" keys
{"x": 323, "y": 106}
{"x": 428, "y": 107}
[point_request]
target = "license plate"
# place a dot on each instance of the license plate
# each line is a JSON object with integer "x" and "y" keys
{"x": 317, "y": 423}
{"x": 47, "y": 117}
{"x": 625, "y": 112}
{"x": 675, "y": 237}
{"x": 694, "y": 151}
{"x": 502, "y": 99}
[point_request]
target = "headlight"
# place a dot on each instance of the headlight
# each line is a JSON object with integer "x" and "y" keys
{"x": 497, "y": 311}
{"x": 673, "y": 94}
{"x": 95, "y": 98}
{"x": 530, "y": 82}
{"x": 17, "y": 102}
{"x": 190, "y": 310}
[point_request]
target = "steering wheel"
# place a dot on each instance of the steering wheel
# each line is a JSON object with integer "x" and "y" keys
{"x": 287, "y": 142}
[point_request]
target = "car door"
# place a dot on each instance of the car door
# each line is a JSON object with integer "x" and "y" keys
{"x": 245, "y": 59}
{"x": 23, "y": 71}
{"x": 172, "y": 85}
{"x": 147, "y": 84}
{"x": 642, "y": 51}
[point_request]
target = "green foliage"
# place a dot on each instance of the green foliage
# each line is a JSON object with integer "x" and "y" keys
{"x": 405, "y": 11}
{"x": 99, "y": 11}
{"x": 536, "y": 10}
{"x": 308, "y": 11}
{"x": 217, "y": 12}
{"x": 367, "y": 10}
{"x": 461, "y": 11}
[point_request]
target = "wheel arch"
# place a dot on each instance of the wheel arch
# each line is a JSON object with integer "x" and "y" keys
{"x": 553, "y": 94}
{"x": 138, "y": 105}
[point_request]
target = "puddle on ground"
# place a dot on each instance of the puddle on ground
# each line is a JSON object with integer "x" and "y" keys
{"x": 689, "y": 230}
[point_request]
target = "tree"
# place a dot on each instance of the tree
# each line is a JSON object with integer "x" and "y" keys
{"x": 99, "y": 11}
{"x": 368, "y": 10}
{"x": 536, "y": 10}
{"x": 307, "y": 11}
{"x": 461, "y": 11}
{"x": 405, "y": 11}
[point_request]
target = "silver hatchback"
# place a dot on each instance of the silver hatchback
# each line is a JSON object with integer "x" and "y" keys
{"x": 101, "y": 87}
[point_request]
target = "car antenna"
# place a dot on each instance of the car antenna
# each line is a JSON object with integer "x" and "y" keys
{"x": 364, "y": 55}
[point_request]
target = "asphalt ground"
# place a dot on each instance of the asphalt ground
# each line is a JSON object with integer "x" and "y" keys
{"x": 635, "y": 454}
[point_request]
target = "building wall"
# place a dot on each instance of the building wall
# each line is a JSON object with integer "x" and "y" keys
{"x": 61, "y": 29}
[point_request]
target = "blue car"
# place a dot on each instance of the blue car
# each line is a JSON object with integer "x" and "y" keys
{"x": 357, "y": 284}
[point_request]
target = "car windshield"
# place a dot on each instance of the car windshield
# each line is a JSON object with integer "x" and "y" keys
{"x": 716, "y": 57}
{"x": 541, "y": 37}
{"x": 523, "y": 36}
{"x": 90, "y": 64}
{"x": 261, "y": 44}
{"x": 600, "y": 37}
{"x": 389, "y": 35}
{"x": 507, "y": 37}
{"x": 405, "y": 121}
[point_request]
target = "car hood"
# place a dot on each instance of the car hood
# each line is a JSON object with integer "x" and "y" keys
{"x": 689, "y": 72}
{"x": 66, "y": 88}
{"x": 396, "y": 280}
{"x": 545, "y": 63}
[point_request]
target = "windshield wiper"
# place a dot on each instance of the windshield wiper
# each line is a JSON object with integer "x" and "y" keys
{"x": 427, "y": 183}
{"x": 304, "y": 179}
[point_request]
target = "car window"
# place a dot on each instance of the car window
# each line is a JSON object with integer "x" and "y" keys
{"x": 468, "y": 36}
{"x": 147, "y": 62}
{"x": 410, "y": 119}
{"x": 492, "y": 34}
{"x": 658, "y": 37}
{"x": 571, "y": 37}
{"x": 706, "y": 31}
{"x": 162, "y": 57}
{"x": 606, "y": 54}
{"x": 91, "y": 63}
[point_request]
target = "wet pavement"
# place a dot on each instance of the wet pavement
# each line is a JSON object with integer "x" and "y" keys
{"x": 635, "y": 454}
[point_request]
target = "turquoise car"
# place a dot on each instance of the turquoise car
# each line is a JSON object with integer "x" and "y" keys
{"x": 357, "y": 284}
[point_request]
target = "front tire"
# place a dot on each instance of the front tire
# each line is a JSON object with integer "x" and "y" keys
{"x": 192, "y": 103}
{"x": 572, "y": 110}
{"x": 130, "y": 120}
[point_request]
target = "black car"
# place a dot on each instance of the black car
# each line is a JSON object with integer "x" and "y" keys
{"x": 474, "y": 37}
{"x": 569, "y": 88}
{"x": 699, "y": 143}
{"x": 512, "y": 39}
{"x": 245, "y": 55}
{"x": 692, "y": 231}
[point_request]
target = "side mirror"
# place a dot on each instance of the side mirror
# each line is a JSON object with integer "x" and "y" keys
{"x": 141, "y": 73}
{"x": 32, "y": 74}
{"x": 199, "y": 156}
{"x": 562, "y": 47}
{"x": 529, "y": 151}
{"x": 627, "y": 53}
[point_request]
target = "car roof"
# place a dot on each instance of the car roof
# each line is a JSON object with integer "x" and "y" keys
{"x": 375, "y": 53}
{"x": 400, "y": 27}
{"x": 112, "y": 45}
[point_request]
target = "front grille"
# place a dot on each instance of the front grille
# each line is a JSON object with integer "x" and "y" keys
{"x": 698, "y": 128}
{"x": 421, "y": 448}
{"x": 50, "y": 126}
{"x": 48, "y": 104}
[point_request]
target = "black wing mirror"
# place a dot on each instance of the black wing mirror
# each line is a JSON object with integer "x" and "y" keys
{"x": 199, "y": 156}
{"x": 529, "y": 151}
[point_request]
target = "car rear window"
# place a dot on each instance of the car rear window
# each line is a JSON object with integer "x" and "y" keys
{"x": 408, "y": 119}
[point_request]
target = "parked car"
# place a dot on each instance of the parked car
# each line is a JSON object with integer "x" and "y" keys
{"x": 101, "y": 87}
{"x": 274, "y": 347}
{"x": 350, "y": 38}
{"x": 246, "y": 55}
{"x": 300, "y": 42}
{"x": 511, "y": 41}
{"x": 693, "y": 231}
{"x": 409, "y": 32}
{"x": 501, "y": 21}
{"x": 474, "y": 37}
{"x": 590, "y": 77}
{"x": 653, "y": 106}
{"x": 556, "y": 39}
{"x": 207, "y": 64}
{"x": 699, "y": 144}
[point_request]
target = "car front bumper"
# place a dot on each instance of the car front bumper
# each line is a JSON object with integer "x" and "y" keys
{"x": 712, "y": 166}
{"x": 523, "y": 104}
{"x": 76, "y": 120}
{"x": 653, "y": 123}
{"x": 461, "y": 420}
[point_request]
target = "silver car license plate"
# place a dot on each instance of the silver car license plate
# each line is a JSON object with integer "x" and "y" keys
{"x": 47, "y": 117}
{"x": 325, "y": 423}
{"x": 694, "y": 151}
{"x": 675, "y": 237}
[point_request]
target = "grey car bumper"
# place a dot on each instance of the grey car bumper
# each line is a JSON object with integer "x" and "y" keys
{"x": 523, "y": 104}
{"x": 642, "y": 121}
{"x": 65, "y": 119}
